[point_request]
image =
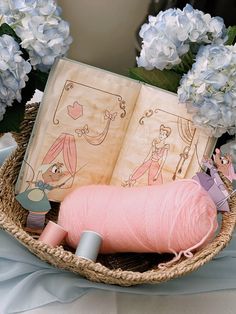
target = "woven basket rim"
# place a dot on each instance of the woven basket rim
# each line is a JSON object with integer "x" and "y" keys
{"x": 91, "y": 270}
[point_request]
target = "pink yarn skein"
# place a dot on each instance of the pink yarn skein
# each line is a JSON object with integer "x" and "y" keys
{"x": 176, "y": 217}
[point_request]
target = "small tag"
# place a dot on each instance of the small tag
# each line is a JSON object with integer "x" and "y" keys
{"x": 224, "y": 164}
{"x": 213, "y": 185}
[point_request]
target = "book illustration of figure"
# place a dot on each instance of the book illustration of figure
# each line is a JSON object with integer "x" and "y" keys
{"x": 224, "y": 164}
{"x": 35, "y": 199}
{"x": 154, "y": 161}
{"x": 75, "y": 111}
{"x": 213, "y": 185}
{"x": 97, "y": 139}
{"x": 186, "y": 132}
{"x": 65, "y": 145}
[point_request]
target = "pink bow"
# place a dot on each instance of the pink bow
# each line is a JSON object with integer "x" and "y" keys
{"x": 109, "y": 115}
{"x": 82, "y": 131}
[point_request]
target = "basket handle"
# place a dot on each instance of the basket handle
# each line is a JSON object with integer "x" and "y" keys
{"x": 27, "y": 124}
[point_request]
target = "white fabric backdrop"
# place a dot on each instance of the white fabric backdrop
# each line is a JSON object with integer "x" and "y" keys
{"x": 100, "y": 302}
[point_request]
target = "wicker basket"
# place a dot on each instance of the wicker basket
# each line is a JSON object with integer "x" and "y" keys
{"x": 120, "y": 269}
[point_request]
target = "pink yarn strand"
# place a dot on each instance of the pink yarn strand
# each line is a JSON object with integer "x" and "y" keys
{"x": 188, "y": 253}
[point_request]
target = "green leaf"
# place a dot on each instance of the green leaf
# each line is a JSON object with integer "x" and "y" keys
{"x": 231, "y": 32}
{"x": 15, "y": 114}
{"x": 40, "y": 79}
{"x": 12, "y": 118}
{"x": 166, "y": 79}
{"x": 37, "y": 80}
{"x": 28, "y": 92}
{"x": 186, "y": 63}
{"x": 7, "y": 30}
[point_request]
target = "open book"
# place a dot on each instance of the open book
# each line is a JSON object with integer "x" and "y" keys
{"x": 96, "y": 127}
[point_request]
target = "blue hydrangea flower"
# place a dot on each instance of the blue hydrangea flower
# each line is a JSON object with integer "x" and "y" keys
{"x": 45, "y": 38}
{"x": 38, "y": 24}
{"x": 167, "y": 36}
{"x": 209, "y": 89}
{"x": 10, "y": 8}
{"x": 13, "y": 72}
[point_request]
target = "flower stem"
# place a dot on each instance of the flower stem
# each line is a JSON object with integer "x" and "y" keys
{"x": 186, "y": 63}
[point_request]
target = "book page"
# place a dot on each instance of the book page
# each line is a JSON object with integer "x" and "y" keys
{"x": 161, "y": 143}
{"x": 79, "y": 129}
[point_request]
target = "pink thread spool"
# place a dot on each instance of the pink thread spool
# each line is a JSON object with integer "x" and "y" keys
{"x": 53, "y": 234}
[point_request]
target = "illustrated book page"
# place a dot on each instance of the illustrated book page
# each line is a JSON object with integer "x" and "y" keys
{"x": 96, "y": 127}
{"x": 79, "y": 128}
{"x": 161, "y": 142}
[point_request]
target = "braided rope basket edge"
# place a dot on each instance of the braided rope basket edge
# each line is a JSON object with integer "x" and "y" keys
{"x": 12, "y": 217}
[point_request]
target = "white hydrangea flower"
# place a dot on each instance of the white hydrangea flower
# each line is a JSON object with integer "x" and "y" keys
{"x": 38, "y": 24}
{"x": 168, "y": 36}
{"x": 167, "y": 52}
{"x": 204, "y": 28}
{"x": 45, "y": 38}
{"x": 2, "y": 111}
{"x": 13, "y": 72}
{"x": 10, "y": 8}
{"x": 4, "y": 7}
{"x": 209, "y": 89}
